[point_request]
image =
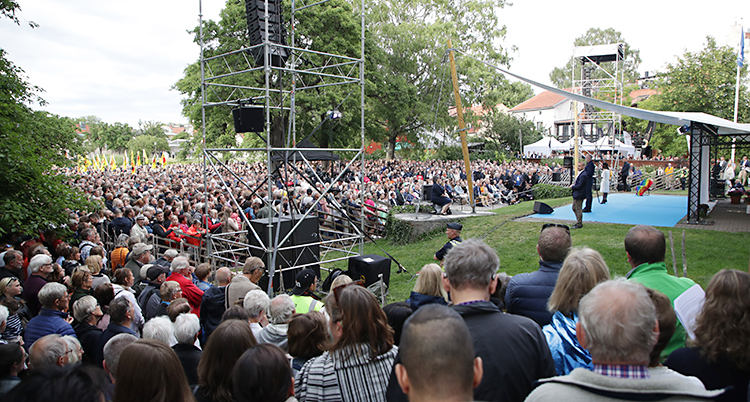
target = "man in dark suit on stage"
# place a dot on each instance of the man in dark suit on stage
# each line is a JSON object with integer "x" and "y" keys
{"x": 589, "y": 183}
{"x": 624, "y": 172}
{"x": 579, "y": 194}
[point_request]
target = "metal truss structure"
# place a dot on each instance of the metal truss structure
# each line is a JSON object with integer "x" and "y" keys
{"x": 609, "y": 87}
{"x": 702, "y": 136}
{"x": 236, "y": 79}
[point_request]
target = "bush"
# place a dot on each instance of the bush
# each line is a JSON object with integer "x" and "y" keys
{"x": 544, "y": 191}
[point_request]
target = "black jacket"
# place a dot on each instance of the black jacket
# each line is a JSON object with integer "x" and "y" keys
{"x": 212, "y": 308}
{"x": 513, "y": 349}
{"x": 189, "y": 356}
{"x": 89, "y": 336}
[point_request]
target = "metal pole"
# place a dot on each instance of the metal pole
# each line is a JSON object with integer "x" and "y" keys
{"x": 461, "y": 127}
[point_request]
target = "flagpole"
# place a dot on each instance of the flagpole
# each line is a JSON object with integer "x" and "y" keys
{"x": 740, "y": 61}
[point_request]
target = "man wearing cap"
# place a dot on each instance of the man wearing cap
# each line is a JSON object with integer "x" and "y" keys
{"x": 453, "y": 231}
{"x": 150, "y": 298}
{"x": 140, "y": 255}
{"x": 139, "y": 229}
{"x": 303, "y": 295}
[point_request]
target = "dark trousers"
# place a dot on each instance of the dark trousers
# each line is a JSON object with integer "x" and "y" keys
{"x": 588, "y": 201}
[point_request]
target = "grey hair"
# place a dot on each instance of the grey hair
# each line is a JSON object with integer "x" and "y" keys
{"x": 255, "y": 302}
{"x": 122, "y": 240}
{"x": 281, "y": 309}
{"x": 113, "y": 349}
{"x": 171, "y": 253}
{"x": 53, "y": 348}
{"x": 51, "y": 292}
{"x": 471, "y": 263}
{"x": 179, "y": 263}
{"x": 83, "y": 308}
{"x": 37, "y": 261}
{"x": 186, "y": 326}
{"x": 618, "y": 318}
{"x": 74, "y": 346}
{"x": 160, "y": 328}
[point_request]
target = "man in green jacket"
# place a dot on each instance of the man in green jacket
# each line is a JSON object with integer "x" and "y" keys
{"x": 645, "y": 247}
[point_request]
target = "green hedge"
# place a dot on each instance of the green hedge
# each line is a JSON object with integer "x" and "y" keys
{"x": 545, "y": 191}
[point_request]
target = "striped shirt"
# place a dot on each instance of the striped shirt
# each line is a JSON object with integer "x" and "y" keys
{"x": 623, "y": 371}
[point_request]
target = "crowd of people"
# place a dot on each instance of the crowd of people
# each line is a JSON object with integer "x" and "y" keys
{"x": 159, "y": 329}
{"x": 84, "y": 320}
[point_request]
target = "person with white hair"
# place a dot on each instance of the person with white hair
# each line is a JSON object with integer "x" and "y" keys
{"x": 618, "y": 325}
{"x": 112, "y": 351}
{"x": 52, "y": 319}
{"x": 182, "y": 274}
{"x": 256, "y": 304}
{"x": 87, "y": 312}
{"x": 75, "y": 351}
{"x": 186, "y": 329}
{"x": 281, "y": 310}
{"x": 40, "y": 267}
{"x": 160, "y": 328}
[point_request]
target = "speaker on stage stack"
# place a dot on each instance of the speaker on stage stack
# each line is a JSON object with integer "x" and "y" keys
{"x": 305, "y": 236}
{"x": 426, "y": 192}
{"x": 249, "y": 119}
{"x": 368, "y": 267}
{"x": 542, "y": 208}
{"x": 568, "y": 162}
{"x": 257, "y": 18}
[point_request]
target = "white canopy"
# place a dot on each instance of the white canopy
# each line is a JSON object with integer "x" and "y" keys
{"x": 605, "y": 144}
{"x": 541, "y": 147}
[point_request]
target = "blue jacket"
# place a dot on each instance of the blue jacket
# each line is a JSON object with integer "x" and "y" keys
{"x": 417, "y": 300}
{"x": 527, "y": 294}
{"x": 47, "y": 322}
{"x": 567, "y": 353}
{"x": 579, "y": 187}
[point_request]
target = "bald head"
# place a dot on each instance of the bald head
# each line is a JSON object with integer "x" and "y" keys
{"x": 223, "y": 276}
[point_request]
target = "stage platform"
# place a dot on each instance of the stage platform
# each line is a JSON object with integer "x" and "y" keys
{"x": 628, "y": 209}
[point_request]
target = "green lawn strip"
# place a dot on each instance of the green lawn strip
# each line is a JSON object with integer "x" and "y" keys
{"x": 707, "y": 251}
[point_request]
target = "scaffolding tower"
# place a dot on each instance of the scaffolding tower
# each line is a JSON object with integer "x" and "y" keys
{"x": 288, "y": 66}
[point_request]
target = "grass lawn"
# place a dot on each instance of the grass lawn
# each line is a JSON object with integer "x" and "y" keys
{"x": 707, "y": 251}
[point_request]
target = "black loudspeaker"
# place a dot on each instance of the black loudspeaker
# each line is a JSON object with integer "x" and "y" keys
{"x": 568, "y": 162}
{"x": 556, "y": 176}
{"x": 306, "y": 235}
{"x": 368, "y": 267}
{"x": 249, "y": 119}
{"x": 256, "y": 27}
{"x": 427, "y": 192}
{"x": 542, "y": 208}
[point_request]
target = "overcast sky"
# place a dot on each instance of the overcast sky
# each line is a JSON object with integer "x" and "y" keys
{"x": 118, "y": 60}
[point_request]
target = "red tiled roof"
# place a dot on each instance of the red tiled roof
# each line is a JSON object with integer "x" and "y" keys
{"x": 642, "y": 94}
{"x": 545, "y": 100}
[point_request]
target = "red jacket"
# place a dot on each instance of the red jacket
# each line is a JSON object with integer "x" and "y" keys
{"x": 189, "y": 291}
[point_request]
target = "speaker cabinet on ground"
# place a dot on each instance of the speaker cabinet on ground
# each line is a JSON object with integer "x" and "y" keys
{"x": 368, "y": 267}
{"x": 249, "y": 119}
{"x": 568, "y": 162}
{"x": 305, "y": 236}
{"x": 542, "y": 208}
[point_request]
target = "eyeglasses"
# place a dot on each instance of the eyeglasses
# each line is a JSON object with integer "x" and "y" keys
{"x": 338, "y": 289}
{"x": 549, "y": 225}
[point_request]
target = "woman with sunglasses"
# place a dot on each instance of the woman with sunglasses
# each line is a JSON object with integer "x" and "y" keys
{"x": 358, "y": 365}
{"x": 10, "y": 291}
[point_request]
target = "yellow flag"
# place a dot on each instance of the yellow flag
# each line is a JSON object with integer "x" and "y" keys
{"x": 132, "y": 159}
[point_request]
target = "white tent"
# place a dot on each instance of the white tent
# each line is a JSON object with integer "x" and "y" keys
{"x": 541, "y": 147}
{"x": 583, "y": 144}
{"x": 557, "y": 145}
{"x": 604, "y": 144}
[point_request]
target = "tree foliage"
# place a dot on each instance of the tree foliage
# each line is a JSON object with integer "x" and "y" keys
{"x": 151, "y": 128}
{"x": 503, "y": 132}
{"x": 412, "y": 86}
{"x": 561, "y": 76}
{"x": 34, "y": 145}
{"x": 701, "y": 81}
{"x": 148, "y": 142}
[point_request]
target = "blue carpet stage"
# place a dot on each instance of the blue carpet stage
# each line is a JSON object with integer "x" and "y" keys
{"x": 629, "y": 209}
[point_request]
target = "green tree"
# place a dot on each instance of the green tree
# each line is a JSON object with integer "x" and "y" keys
{"x": 152, "y": 128}
{"x": 561, "y": 77}
{"x": 148, "y": 142}
{"x": 34, "y": 146}
{"x": 503, "y": 130}
{"x": 116, "y": 136}
{"x": 410, "y": 73}
{"x": 698, "y": 82}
